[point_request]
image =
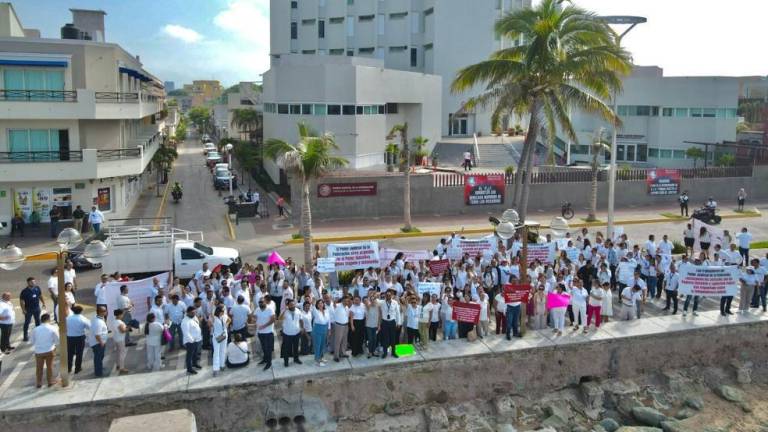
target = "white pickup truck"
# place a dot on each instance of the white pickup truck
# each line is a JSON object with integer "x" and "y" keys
{"x": 142, "y": 250}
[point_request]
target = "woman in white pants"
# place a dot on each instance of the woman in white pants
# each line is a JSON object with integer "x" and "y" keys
{"x": 219, "y": 339}
{"x": 558, "y": 313}
{"x": 154, "y": 333}
{"x": 579, "y": 296}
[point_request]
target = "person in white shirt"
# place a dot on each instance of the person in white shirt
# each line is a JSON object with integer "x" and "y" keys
{"x": 305, "y": 343}
{"x": 240, "y": 314}
{"x": 356, "y": 336}
{"x": 291, "y": 320}
{"x": 238, "y": 354}
{"x": 340, "y": 325}
{"x": 193, "y": 338}
{"x": 500, "y": 308}
{"x": 595, "y": 304}
{"x": 125, "y": 304}
{"x": 427, "y": 309}
{"x": 158, "y": 309}
{"x": 100, "y": 291}
{"x": 629, "y": 298}
{"x": 77, "y": 326}
{"x": 95, "y": 219}
{"x": 174, "y": 314}
{"x": 45, "y": 339}
{"x": 53, "y": 290}
{"x": 749, "y": 284}
{"x": 219, "y": 338}
{"x": 70, "y": 275}
{"x": 744, "y": 238}
{"x": 389, "y": 318}
{"x": 97, "y": 339}
{"x": 201, "y": 275}
{"x": 650, "y": 245}
{"x": 412, "y": 315}
{"x": 671, "y": 281}
{"x": 265, "y": 321}
{"x": 153, "y": 330}
{"x": 320, "y": 328}
{"x": 579, "y": 297}
{"x": 7, "y": 320}
{"x": 119, "y": 332}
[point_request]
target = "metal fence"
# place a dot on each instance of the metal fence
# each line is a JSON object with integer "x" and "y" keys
{"x": 568, "y": 175}
{"x": 116, "y": 97}
{"x": 118, "y": 154}
{"x": 41, "y": 156}
{"x": 39, "y": 95}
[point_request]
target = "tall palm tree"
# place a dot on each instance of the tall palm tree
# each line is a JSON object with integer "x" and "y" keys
{"x": 307, "y": 160}
{"x": 569, "y": 58}
{"x": 402, "y": 130}
{"x": 246, "y": 121}
{"x": 600, "y": 144}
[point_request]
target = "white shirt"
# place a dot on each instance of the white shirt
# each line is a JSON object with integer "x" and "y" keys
{"x": 306, "y": 320}
{"x": 237, "y": 353}
{"x": 673, "y": 280}
{"x": 579, "y": 296}
{"x": 240, "y": 314}
{"x": 263, "y": 317}
{"x": 321, "y": 318}
{"x": 358, "y": 311}
{"x": 95, "y": 217}
{"x": 732, "y": 257}
{"x": 745, "y": 238}
{"x": 291, "y": 322}
{"x": 633, "y": 296}
{"x": 390, "y": 311}
{"x": 77, "y": 324}
{"x": 7, "y": 313}
{"x": 53, "y": 284}
{"x": 100, "y": 292}
{"x": 435, "y": 312}
{"x": 190, "y": 329}
{"x": 597, "y": 292}
{"x": 45, "y": 338}
{"x": 412, "y": 316}
{"x": 665, "y": 247}
{"x": 340, "y": 314}
{"x": 69, "y": 276}
{"x": 219, "y": 327}
{"x": 501, "y": 306}
{"x": 175, "y": 312}
{"x": 155, "y": 335}
{"x": 159, "y": 312}
{"x": 650, "y": 247}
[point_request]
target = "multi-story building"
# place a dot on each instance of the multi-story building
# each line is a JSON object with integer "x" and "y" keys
{"x": 203, "y": 91}
{"x": 428, "y": 36}
{"x": 169, "y": 86}
{"x": 248, "y": 96}
{"x": 661, "y": 116}
{"x": 80, "y": 121}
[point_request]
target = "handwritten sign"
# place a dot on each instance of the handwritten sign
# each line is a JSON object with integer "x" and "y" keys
{"x": 429, "y": 287}
{"x": 545, "y": 253}
{"x": 485, "y": 246}
{"x": 516, "y": 293}
{"x": 352, "y": 256}
{"x": 437, "y": 267}
{"x": 709, "y": 281}
{"x": 466, "y": 312}
{"x": 387, "y": 255}
{"x": 326, "y": 265}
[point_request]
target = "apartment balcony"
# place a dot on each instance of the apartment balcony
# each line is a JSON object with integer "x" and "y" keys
{"x": 81, "y": 104}
{"x": 85, "y": 164}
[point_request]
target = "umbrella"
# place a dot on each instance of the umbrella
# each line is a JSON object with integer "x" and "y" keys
{"x": 275, "y": 258}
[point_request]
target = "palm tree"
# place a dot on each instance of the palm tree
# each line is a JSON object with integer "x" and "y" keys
{"x": 246, "y": 121}
{"x": 569, "y": 58}
{"x": 600, "y": 144}
{"x": 402, "y": 130}
{"x": 307, "y": 160}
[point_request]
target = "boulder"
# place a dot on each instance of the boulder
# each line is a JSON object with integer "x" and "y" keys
{"x": 556, "y": 422}
{"x": 592, "y": 394}
{"x": 393, "y": 407}
{"x": 648, "y": 416}
{"x": 731, "y": 394}
{"x": 505, "y": 407}
{"x": 505, "y": 427}
{"x": 743, "y": 371}
{"x": 685, "y": 413}
{"x": 579, "y": 429}
{"x": 745, "y": 407}
{"x": 609, "y": 424}
{"x": 695, "y": 402}
{"x": 672, "y": 426}
{"x": 437, "y": 419}
{"x": 638, "y": 429}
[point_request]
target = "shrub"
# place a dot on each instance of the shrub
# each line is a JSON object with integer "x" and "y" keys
{"x": 678, "y": 248}
{"x": 345, "y": 277}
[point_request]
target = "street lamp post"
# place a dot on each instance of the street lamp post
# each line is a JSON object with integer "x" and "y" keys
{"x": 632, "y": 21}
{"x": 12, "y": 258}
{"x": 229, "y": 148}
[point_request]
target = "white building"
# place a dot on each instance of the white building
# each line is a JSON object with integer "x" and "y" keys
{"x": 430, "y": 36}
{"x": 355, "y": 98}
{"x": 79, "y": 121}
{"x": 248, "y": 96}
{"x": 659, "y": 114}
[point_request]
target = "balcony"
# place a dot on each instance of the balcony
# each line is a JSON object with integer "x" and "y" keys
{"x": 81, "y": 104}
{"x": 85, "y": 164}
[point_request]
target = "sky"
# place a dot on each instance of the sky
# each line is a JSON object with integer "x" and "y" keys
{"x": 228, "y": 40}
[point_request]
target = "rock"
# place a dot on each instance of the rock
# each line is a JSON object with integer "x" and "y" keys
{"x": 598, "y": 428}
{"x": 505, "y": 427}
{"x": 592, "y": 394}
{"x": 695, "y": 402}
{"x": 545, "y": 429}
{"x": 609, "y": 424}
{"x": 561, "y": 409}
{"x": 555, "y": 421}
{"x": 648, "y": 416}
{"x": 731, "y": 394}
{"x": 505, "y": 407}
{"x": 638, "y": 429}
{"x": 393, "y": 407}
{"x": 745, "y": 407}
{"x": 685, "y": 413}
{"x": 436, "y": 417}
{"x": 672, "y": 426}
{"x": 743, "y": 371}
{"x": 579, "y": 429}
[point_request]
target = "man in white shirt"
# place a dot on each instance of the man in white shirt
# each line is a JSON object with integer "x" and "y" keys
{"x": 77, "y": 325}
{"x": 193, "y": 337}
{"x": 158, "y": 309}
{"x": 650, "y": 245}
{"x": 7, "y": 320}
{"x": 292, "y": 328}
{"x": 174, "y": 312}
{"x": 340, "y": 327}
{"x": 732, "y": 256}
{"x": 45, "y": 338}
{"x": 629, "y": 297}
{"x": 744, "y": 238}
{"x": 198, "y": 280}
{"x": 240, "y": 313}
{"x": 389, "y": 317}
{"x": 97, "y": 339}
{"x": 265, "y": 320}
{"x": 665, "y": 246}
{"x": 70, "y": 275}
{"x": 671, "y": 281}
{"x": 100, "y": 292}
{"x": 95, "y": 219}
{"x": 53, "y": 290}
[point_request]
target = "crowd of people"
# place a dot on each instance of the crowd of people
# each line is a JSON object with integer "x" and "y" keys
{"x": 242, "y": 316}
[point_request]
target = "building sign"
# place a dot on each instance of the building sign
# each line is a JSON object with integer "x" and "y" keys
{"x": 352, "y": 256}
{"x": 711, "y": 281}
{"x": 41, "y": 203}
{"x": 330, "y": 190}
{"x": 662, "y": 181}
{"x": 104, "y": 199}
{"x": 22, "y": 203}
{"x": 484, "y": 189}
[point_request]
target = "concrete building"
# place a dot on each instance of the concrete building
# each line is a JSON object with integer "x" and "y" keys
{"x": 79, "y": 122}
{"x": 355, "y": 98}
{"x": 169, "y": 86}
{"x": 427, "y": 36}
{"x": 659, "y": 114}
{"x": 248, "y": 96}
{"x": 203, "y": 91}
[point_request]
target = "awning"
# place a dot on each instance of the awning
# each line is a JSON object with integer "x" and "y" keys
{"x": 35, "y": 63}
{"x": 135, "y": 74}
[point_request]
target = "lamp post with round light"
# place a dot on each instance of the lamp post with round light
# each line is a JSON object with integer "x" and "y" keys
{"x": 229, "y": 148}
{"x": 12, "y": 258}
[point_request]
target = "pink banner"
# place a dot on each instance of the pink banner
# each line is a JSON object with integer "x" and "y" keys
{"x": 555, "y": 300}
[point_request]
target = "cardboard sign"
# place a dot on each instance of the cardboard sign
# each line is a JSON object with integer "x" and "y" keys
{"x": 485, "y": 246}
{"x": 709, "y": 281}
{"x": 353, "y": 256}
{"x": 466, "y": 312}
{"x": 545, "y": 253}
{"x": 516, "y": 293}
{"x": 484, "y": 189}
{"x": 326, "y": 265}
{"x": 555, "y": 300}
{"x": 429, "y": 287}
{"x": 386, "y": 256}
{"x": 437, "y": 267}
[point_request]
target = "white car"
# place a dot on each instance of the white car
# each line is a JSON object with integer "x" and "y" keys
{"x": 209, "y": 147}
{"x": 212, "y": 158}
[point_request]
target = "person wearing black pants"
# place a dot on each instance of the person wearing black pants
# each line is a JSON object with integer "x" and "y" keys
{"x": 193, "y": 336}
{"x": 7, "y": 317}
{"x": 672, "y": 281}
{"x": 30, "y": 299}
{"x": 291, "y": 319}
{"x": 76, "y": 327}
{"x": 357, "y": 329}
{"x": 389, "y": 317}
{"x": 725, "y": 305}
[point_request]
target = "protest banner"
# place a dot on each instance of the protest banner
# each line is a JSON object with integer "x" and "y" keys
{"x": 555, "y": 300}
{"x": 437, "y": 267}
{"x": 545, "y": 253}
{"x": 466, "y": 312}
{"x": 709, "y": 281}
{"x": 485, "y": 246}
{"x": 353, "y": 256}
{"x": 386, "y": 255}
{"x": 484, "y": 189}
{"x": 138, "y": 292}
{"x": 562, "y": 243}
{"x": 326, "y": 265}
{"x": 716, "y": 235}
{"x": 625, "y": 272}
{"x": 516, "y": 293}
{"x": 428, "y": 287}
{"x": 662, "y": 181}
{"x": 573, "y": 254}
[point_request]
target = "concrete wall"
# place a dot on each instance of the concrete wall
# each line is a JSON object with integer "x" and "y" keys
{"x": 429, "y": 200}
{"x": 528, "y": 372}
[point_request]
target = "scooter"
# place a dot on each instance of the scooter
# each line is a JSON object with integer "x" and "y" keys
{"x": 176, "y": 195}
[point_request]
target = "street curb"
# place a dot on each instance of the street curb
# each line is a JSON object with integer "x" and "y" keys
{"x": 230, "y": 227}
{"x": 436, "y": 233}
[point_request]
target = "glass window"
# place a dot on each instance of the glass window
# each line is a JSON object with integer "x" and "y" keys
{"x": 643, "y": 110}
{"x": 681, "y": 112}
{"x": 709, "y": 112}
{"x": 731, "y": 113}
{"x": 678, "y": 154}
{"x": 667, "y": 112}
{"x": 307, "y": 52}
{"x": 321, "y": 29}
{"x": 665, "y": 154}
{"x": 350, "y": 53}
{"x": 653, "y": 152}
{"x": 306, "y": 109}
{"x": 398, "y": 15}
{"x": 369, "y": 109}
{"x": 294, "y": 5}
{"x": 294, "y": 31}
{"x": 191, "y": 254}
{"x": 18, "y": 140}
{"x": 391, "y": 108}
{"x": 359, "y": 110}
{"x": 337, "y": 51}
{"x": 654, "y": 111}
{"x": 310, "y": 21}
{"x": 642, "y": 153}
{"x": 695, "y": 112}
{"x": 366, "y": 50}
{"x": 364, "y": 18}
{"x": 580, "y": 149}
{"x": 295, "y": 109}
{"x": 320, "y": 109}
{"x": 623, "y": 110}
{"x": 348, "y": 110}
{"x": 620, "y": 152}
{"x": 414, "y": 57}
{"x": 382, "y": 109}
{"x": 350, "y": 2}
{"x": 630, "y": 153}
{"x": 336, "y": 20}
{"x": 334, "y": 109}
{"x": 720, "y": 113}
{"x": 282, "y": 108}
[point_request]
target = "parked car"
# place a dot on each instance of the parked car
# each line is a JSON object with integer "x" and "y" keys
{"x": 209, "y": 147}
{"x": 206, "y": 138}
{"x": 221, "y": 179}
{"x": 212, "y": 158}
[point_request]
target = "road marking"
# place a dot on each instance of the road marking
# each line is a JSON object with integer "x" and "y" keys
{"x": 12, "y": 377}
{"x": 231, "y": 228}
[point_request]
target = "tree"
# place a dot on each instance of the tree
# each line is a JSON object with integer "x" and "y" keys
{"x": 402, "y": 131}
{"x": 420, "y": 143}
{"x": 178, "y": 92}
{"x": 694, "y": 153}
{"x": 200, "y": 117}
{"x": 726, "y": 160}
{"x": 246, "y": 121}
{"x": 569, "y": 58}
{"x": 600, "y": 144}
{"x": 308, "y": 159}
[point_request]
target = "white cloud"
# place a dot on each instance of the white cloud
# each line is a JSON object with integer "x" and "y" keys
{"x": 247, "y": 20}
{"x": 182, "y": 33}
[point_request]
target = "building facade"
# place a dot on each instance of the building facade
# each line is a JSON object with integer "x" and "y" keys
{"x": 427, "y": 36}
{"x": 203, "y": 92}
{"x": 659, "y": 114}
{"x": 248, "y": 96}
{"x": 355, "y": 98}
{"x": 80, "y": 121}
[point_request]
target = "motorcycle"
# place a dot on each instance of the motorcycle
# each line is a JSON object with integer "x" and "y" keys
{"x": 176, "y": 193}
{"x": 707, "y": 215}
{"x": 566, "y": 211}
